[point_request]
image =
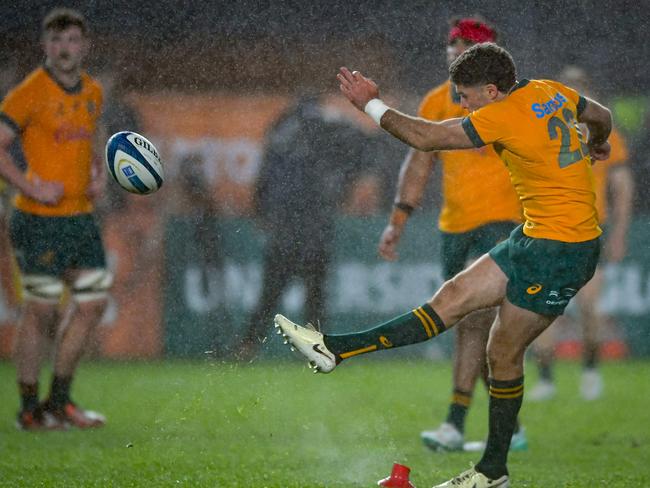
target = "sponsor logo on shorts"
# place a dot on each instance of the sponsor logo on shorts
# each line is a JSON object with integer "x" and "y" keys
{"x": 561, "y": 297}
{"x": 534, "y": 289}
{"x": 385, "y": 342}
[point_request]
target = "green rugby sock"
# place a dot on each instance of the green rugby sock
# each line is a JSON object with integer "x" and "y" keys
{"x": 460, "y": 402}
{"x": 416, "y": 326}
{"x": 28, "y": 396}
{"x": 505, "y": 401}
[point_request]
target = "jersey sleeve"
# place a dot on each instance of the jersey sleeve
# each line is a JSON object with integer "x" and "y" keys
{"x": 486, "y": 125}
{"x": 579, "y": 100}
{"x": 17, "y": 107}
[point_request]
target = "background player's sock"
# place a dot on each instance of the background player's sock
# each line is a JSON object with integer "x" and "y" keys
{"x": 28, "y": 396}
{"x": 546, "y": 372}
{"x": 60, "y": 391}
{"x": 460, "y": 402}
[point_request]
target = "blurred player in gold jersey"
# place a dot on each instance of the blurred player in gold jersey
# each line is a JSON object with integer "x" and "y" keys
{"x": 614, "y": 177}
{"x": 479, "y": 209}
{"x": 56, "y": 240}
{"x": 532, "y": 276}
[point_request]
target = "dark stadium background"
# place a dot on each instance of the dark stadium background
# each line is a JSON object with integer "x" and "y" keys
{"x": 246, "y": 49}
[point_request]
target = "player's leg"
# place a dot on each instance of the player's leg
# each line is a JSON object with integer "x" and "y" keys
{"x": 467, "y": 365}
{"x": 514, "y": 329}
{"x": 83, "y": 312}
{"x": 480, "y": 286}
{"x": 7, "y": 284}
{"x": 31, "y": 238}
{"x": 591, "y": 320}
{"x": 544, "y": 352}
{"x": 88, "y": 282}
{"x": 41, "y": 296}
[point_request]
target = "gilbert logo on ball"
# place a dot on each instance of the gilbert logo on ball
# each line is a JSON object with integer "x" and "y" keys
{"x": 134, "y": 162}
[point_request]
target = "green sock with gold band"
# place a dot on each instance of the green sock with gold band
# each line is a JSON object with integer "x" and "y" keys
{"x": 460, "y": 402}
{"x": 415, "y": 326}
{"x": 505, "y": 401}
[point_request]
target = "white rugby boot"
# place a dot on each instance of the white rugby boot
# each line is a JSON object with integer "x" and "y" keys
{"x": 445, "y": 438}
{"x": 473, "y": 479}
{"x": 309, "y": 342}
{"x": 544, "y": 390}
{"x": 591, "y": 385}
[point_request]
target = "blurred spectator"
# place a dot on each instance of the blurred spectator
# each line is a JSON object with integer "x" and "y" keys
{"x": 641, "y": 166}
{"x": 204, "y": 209}
{"x": 308, "y": 159}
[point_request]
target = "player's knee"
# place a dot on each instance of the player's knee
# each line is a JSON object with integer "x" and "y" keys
{"x": 503, "y": 357}
{"x": 42, "y": 288}
{"x": 91, "y": 286}
{"x": 453, "y": 296}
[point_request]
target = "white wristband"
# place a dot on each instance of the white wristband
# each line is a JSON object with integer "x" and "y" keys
{"x": 376, "y": 109}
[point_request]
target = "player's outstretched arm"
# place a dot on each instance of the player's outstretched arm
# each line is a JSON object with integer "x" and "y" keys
{"x": 418, "y": 133}
{"x": 599, "y": 121}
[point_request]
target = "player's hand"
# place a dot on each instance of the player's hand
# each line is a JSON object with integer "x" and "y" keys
{"x": 615, "y": 248}
{"x": 45, "y": 192}
{"x": 357, "y": 88}
{"x": 389, "y": 241}
{"x": 600, "y": 152}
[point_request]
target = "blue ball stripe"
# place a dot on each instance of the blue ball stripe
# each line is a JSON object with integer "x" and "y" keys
{"x": 139, "y": 184}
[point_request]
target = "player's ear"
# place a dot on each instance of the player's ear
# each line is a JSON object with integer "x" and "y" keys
{"x": 492, "y": 91}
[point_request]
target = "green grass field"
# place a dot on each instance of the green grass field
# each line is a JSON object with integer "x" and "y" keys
{"x": 275, "y": 424}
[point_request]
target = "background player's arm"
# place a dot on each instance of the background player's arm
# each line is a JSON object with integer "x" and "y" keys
{"x": 413, "y": 177}
{"x": 599, "y": 121}
{"x": 621, "y": 185}
{"x": 45, "y": 192}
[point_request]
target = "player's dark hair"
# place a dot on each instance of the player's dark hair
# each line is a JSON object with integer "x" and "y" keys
{"x": 484, "y": 64}
{"x": 59, "y": 19}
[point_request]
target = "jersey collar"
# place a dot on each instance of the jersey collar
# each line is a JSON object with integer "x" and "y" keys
{"x": 520, "y": 84}
{"x": 71, "y": 91}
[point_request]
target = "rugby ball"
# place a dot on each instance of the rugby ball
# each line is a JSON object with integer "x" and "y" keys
{"x": 134, "y": 163}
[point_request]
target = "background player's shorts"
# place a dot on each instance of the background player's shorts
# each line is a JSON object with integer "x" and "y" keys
{"x": 458, "y": 248}
{"x": 544, "y": 274}
{"x": 52, "y": 245}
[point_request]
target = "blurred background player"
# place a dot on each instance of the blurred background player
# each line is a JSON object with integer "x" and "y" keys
{"x": 8, "y": 79}
{"x": 479, "y": 209}
{"x": 56, "y": 240}
{"x": 310, "y": 157}
{"x": 612, "y": 177}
